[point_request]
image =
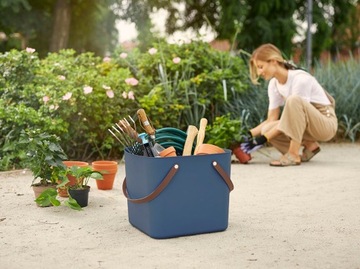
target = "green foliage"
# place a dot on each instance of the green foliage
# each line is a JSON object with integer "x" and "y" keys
{"x": 49, "y": 197}
{"x": 32, "y": 23}
{"x": 180, "y": 79}
{"x": 82, "y": 176}
{"x": 225, "y": 132}
{"x": 78, "y": 97}
{"x": 72, "y": 203}
{"x": 341, "y": 80}
{"x": 88, "y": 94}
{"x": 44, "y": 156}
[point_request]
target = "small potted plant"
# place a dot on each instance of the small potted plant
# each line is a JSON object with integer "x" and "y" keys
{"x": 44, "y": 158}
{"x": 80, "y": 190}
{"x": 228, "y": 133}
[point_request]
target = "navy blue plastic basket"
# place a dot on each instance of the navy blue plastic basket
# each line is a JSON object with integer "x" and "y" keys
{"x": 177, "y": 196}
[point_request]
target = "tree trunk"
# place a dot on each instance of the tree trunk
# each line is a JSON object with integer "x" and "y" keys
{"x": 61, "y": 28}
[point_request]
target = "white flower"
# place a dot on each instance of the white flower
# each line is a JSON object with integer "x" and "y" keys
{"x": 176, "y": 60}
{"x": 110, "y": 93}
{"x": 124, "y": 95}
{"x": 88, "y": 89}
{"x": 46, "y": 99}
{"x": 61, "y": 77}
{"x": 30, "y": 50}
{"x": 123, "y": 55}
{"x": 131, "y": 81}
{"x": 152, "y": 51}
{"x": 131, "y": 95}
{"x": 67, "y": 96}
{"x": 106, "y": 87}
{"x": 106, "y": 59}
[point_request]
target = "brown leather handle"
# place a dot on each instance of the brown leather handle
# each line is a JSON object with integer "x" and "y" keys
{"x": 223, "y": 174}
{"x": 156, "y": 192}
{"x": 167, "y": 180}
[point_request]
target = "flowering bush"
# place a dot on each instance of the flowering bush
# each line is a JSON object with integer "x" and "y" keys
{"x": 89, "y": 94}
{"x": 179, "y": 84}
{"x": 79, "y": 97}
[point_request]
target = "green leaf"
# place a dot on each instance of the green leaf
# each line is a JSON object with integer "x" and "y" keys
{"x": 73, "y": 204}
{"x": 47, "y": 198}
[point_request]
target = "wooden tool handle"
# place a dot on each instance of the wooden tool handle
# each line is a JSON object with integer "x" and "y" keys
{"x": 191, "y": 134}
{"x": 201, "y": 134}
{"x": 145, "y": 123}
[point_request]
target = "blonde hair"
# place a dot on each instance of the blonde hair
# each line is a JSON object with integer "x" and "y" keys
{"x": 265, "y": 53}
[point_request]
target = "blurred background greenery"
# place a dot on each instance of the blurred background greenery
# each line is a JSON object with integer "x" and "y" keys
{"x": 90, "y": 25}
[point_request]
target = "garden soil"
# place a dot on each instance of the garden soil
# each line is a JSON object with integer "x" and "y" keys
{"x": 305, "y": 216}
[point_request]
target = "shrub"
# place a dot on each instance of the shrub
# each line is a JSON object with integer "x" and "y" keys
{"x": 190, "y": 80}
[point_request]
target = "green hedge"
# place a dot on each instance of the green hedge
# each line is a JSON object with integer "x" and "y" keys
{"x": 79, "y": 96}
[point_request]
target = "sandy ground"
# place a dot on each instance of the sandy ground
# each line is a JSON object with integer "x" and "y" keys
{"x": 306, "y": 216}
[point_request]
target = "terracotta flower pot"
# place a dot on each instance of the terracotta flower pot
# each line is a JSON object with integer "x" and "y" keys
{"x": 209, "y": 149}
{"x": 72, "y": 180}
{"x": 241, "y": 156}
{"x": 38, "y": 189}
{"x": 168, "y": 152}
{"x": 108, "y": 170}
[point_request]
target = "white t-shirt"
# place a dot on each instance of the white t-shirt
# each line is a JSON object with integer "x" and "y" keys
{"x": 298, "y": 83}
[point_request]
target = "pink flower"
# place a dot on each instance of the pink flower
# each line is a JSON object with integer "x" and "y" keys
{"x": 176, "y": 60}
{"x": 123, "y": 55}
{"x": 30, "y": 50}
{"x": 61, "y": 77}
{"x": 88, "y": 89}
{"x": 110, "y": 93}
{"x": 131, "y": 81}
{"x": 46, "y": 99}
{"x": 152, "y": 51}
{"x": 106, "y": 59}
{"x": 67, "y": 96}
{"x": 131, "y": 95}
{"x": 124, "y": 95}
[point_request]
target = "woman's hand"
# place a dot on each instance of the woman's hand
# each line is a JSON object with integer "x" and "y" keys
{"x": 253, "y": 144}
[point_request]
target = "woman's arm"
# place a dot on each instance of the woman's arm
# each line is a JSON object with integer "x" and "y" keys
{"x": 273, "y": 115}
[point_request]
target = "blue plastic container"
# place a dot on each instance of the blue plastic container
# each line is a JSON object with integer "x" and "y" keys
{"x": 195, "y": 201}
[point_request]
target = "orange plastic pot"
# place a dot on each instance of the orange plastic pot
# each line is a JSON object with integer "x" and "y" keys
{"x": 72, "y": 180}
{"x": 108, "y": 170}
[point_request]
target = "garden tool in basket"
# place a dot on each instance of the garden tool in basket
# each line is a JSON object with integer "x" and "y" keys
{"x": 192, "y": 131}
{"x": 148, "y": 142}
{"x": 127, "y": 136}
{"x": 201, "y": 134}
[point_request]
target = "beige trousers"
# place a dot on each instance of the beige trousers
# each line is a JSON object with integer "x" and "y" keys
{"x": 303, "y": 122}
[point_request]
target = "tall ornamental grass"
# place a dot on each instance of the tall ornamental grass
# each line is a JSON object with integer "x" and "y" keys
{"x": 342, "y": 81}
